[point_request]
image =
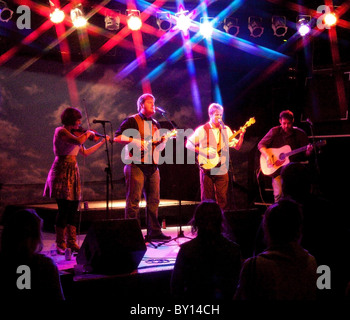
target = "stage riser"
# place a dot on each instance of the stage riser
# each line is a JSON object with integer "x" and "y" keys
{"x": 171, "y": 214}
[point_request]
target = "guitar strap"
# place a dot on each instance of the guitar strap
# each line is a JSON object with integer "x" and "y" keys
{"x": 210, "y": 136}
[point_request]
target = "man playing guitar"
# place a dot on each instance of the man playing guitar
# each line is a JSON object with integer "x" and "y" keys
{"x": 281, "y": 136}
{"x": 211, "y": 143}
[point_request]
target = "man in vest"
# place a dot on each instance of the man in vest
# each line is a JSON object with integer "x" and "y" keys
{"x": 140, "y": 135}
{"x": 211, "y": 143}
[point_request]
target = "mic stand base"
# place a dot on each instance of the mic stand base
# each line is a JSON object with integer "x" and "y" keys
{"x": 180, "y": 234}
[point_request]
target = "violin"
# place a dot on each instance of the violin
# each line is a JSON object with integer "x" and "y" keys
{"x": 78, "y": 132}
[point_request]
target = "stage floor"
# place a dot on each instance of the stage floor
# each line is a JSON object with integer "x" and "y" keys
{"x": 114, "y": 204}
{"x": 157, "y": 257}
{"x": 171, "y": 210}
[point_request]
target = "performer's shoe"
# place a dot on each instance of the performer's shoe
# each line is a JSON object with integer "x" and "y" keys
{"x": 158, "y": 237}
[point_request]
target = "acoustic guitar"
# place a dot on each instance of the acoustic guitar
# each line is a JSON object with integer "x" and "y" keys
{"x": 281, "y": 157}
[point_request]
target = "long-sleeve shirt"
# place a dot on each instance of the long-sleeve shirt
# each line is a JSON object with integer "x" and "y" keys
{"x": 277, "y": 138}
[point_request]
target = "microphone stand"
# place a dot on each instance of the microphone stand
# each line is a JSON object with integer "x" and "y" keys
{"x": 180, "y": 233}
{"x": 109, "y": 180}
{"x": 314, "y": 147}
{"x": 163, "y": 114}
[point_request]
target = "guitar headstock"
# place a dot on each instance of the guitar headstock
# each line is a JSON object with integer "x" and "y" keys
{"x": 249, "y": 122}
{"x": 172, "y": 133}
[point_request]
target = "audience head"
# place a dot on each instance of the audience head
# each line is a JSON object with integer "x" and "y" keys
{"x": 21, "y": 235}
{"x": 296, "y": 180}
{"x": 207, "y": 218}
{"x": 282, "y": 222}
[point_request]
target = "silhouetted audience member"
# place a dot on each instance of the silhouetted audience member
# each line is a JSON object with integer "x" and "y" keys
{"x": 284, "y": 271}
{"x": 25, "y": 274}
{"x": 324, "y": 232}
{"x": 208, "y": 266}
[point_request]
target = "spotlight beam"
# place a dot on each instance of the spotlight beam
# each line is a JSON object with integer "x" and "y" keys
{"x": 110, "y": 44}
{"x": 299, "y": 44}
{"x": 341, "y": 95}
{"x": 44, "y": 51}
{"x": 174, "y": 57}
{"x": 225, "y": 38}
{"x": 192, "y": 73}
{"x": 195, "y": 40}
{"x": 64, "y": 47}
{"x": 167, "y": 36}
{"x": 212, "y": 63}
{"x": 25, "y": 42}
{"x": 42, "y": 10}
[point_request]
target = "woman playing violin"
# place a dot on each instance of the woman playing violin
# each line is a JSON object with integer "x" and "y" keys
{"x": 63, "y": 181}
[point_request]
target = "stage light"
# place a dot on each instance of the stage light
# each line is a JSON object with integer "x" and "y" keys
{"x": 163, "y": 21}
{"x": 279, "y": 26}
{"x": 255, "y": 26}
{"x": 183, "y": 21}
{"x": 330, "y": 19}
{"x": 5, "y": 12}
{"x": 57, "y": 16}
{"x": 77, "y": 17}
{"x": 206, "y": 27}
{"x": 133, "y": 19}
{"x": 231, "y": 26}
{"x": 303, "y": 26}
{"x": 112, "y": 23}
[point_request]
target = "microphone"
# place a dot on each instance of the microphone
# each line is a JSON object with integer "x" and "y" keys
{"x": 100, "y": 121}
{"x": 309, "y": 122}
{"x": 222, "y": 124}
{"x": 160, "y": 110}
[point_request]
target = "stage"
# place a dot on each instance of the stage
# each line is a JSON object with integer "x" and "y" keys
{"x": 150, "y": 279}
{"x": 174, "y": 212}
{"x": 152, "y": 276}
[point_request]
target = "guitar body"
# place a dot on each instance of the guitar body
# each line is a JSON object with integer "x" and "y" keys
{"x": 280, "y": 157}
{"x": 206, "y": 163}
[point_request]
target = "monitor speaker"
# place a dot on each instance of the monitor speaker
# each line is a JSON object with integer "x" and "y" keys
{"x": 112, "y": 247}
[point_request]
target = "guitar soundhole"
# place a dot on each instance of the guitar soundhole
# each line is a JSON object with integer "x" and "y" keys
{"x": 282, "y": 156}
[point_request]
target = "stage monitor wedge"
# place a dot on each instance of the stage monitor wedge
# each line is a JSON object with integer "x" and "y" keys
{"x": 112, "y": 247}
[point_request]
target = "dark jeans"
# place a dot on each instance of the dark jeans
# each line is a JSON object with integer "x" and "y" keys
{"x": 67, "y": 213}
{"x": 138, "y": 181}
{"x": 214, "y": 187}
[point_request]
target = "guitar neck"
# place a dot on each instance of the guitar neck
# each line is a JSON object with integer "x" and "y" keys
{"x": 295, "y": 151}
{"x": 235, "y": 134}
